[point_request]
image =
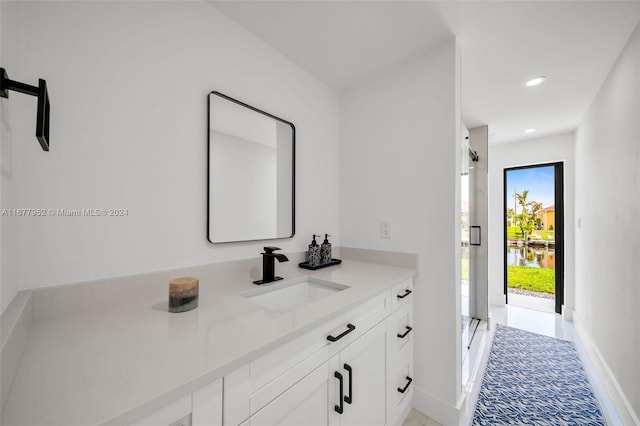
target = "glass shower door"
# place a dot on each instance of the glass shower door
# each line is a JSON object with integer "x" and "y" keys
{"x": 464, "y": 256}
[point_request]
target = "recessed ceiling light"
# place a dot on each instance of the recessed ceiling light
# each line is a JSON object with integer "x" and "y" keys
{"x": 530, "y": 130}
{"x": 535, "y": 81}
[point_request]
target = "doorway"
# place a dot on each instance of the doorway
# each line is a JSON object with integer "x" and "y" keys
{"x": 534, "y": 236}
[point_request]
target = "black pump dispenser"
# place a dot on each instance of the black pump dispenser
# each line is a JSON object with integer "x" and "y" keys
{"x": 325, "y": 250}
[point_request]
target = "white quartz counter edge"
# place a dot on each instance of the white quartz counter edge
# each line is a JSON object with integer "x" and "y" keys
{"x": 113, "y": 364}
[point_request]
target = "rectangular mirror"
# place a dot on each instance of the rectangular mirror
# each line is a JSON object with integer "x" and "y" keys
{"x": 251, "y": 173}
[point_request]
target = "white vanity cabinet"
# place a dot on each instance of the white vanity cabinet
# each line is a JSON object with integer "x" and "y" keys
{"x": 280, "y": 354}
{"x": 357, "y": 369}
{"x": 348, "y": 389}
{"x": 253, "y": 393}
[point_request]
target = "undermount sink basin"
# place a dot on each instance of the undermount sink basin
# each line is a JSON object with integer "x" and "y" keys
{"x": 281, "y": 297}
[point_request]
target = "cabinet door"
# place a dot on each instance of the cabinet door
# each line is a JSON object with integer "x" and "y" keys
{"x": 363, "y": 364}
{"x": 305, "y": 403}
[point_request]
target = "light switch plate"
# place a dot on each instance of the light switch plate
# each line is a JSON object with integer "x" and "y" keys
{"x": 385, "y": 229}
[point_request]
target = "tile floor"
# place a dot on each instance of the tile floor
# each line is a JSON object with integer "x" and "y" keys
{"x": 416, "y": 418}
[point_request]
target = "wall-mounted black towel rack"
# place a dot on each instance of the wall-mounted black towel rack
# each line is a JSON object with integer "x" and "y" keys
{"x": 42, "y": 119}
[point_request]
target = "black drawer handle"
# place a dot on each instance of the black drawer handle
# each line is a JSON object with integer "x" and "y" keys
{"x": 403, "y": 335}
{"x": 339, "y": 408}
{"x": 406, "y": 293}
{"x": 404, "y": 389}
{"x": 349, "y": 399}
{"x": 350, "y": 328}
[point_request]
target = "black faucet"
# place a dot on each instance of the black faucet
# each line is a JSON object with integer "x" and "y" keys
{"x": 268, "y": 265}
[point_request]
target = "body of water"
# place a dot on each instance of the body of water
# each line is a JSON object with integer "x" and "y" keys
{"x": 533, "y": 257}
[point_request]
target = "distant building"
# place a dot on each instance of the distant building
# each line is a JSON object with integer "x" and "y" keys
{"x": 547, "y": 218}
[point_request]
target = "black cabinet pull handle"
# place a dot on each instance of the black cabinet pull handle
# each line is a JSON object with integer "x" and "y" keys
{"x": 339, "y": 408}
{"x": 406, "y": 293}
{"x": 350, "y": 328}
{"x": 403, "y": 335}
{"x": 404, "y": 389}
{"x": 349, "y": 398}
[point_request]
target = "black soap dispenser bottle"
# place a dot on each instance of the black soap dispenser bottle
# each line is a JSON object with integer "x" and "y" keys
{"x": 325, "y": 250}
{"x": 314, "y": 252}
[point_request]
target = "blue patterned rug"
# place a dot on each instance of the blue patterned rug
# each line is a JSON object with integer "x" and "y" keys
{"x": 532, "y": 379}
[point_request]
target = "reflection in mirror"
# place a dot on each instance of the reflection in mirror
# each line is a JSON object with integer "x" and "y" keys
{"x": 251, "y": 173}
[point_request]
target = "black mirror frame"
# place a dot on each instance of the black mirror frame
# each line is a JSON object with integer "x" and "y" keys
{"x": 293, "y": 166}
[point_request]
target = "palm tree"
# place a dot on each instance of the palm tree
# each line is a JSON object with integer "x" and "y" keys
{"x": 522, "y": 199}
{"x": 524, "y": 215}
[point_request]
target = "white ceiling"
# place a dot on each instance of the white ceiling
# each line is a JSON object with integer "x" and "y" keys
{"x": 503, "y": 44}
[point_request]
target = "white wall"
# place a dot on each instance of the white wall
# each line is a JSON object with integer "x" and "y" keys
{"x": 400, "y": 161}
{"x": 608, "y": 227}
{"x": 547, "y": 149}
{"x": 128, "y": 83}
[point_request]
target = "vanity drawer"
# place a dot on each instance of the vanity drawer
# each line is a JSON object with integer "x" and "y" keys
{"x": 402, "y": 295}
{"x": 402, "y": 322}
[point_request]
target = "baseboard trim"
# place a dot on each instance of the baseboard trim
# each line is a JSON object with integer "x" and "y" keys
{"x": 568, "y": 313}
{"x": 438, "y": 409}
{"x": 621, "y": 402}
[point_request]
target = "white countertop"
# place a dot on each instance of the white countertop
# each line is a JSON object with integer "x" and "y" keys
{"x": 110, "y": 352}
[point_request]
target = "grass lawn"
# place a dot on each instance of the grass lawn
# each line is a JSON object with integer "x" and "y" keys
{"x": 513, "y": 233}
{"x": 542, "y": 280}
